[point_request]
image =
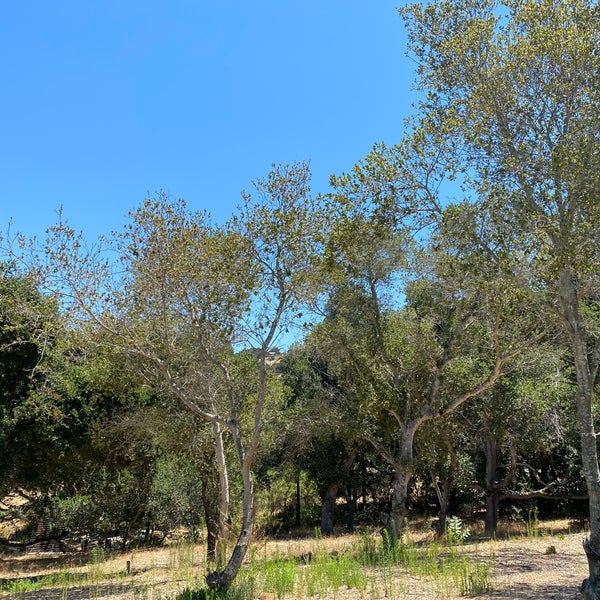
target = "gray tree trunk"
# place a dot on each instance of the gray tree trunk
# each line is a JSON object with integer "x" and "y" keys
{"x": 399, "y": 508}
{"x": 223, "y": 498}
{"x": 222, "y": 579}
{"x": 585, "y": 373}
{"x": 402, "y": 476}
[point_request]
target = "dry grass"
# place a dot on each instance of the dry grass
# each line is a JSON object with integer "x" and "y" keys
{"x": 547, "y": 563}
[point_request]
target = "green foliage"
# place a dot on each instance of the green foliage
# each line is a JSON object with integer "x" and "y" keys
{"x": 279, "y": 576}
{"x": 240, "y": 590}
{"x": 470, "y": 576}
{"x": 475, "y": 579}
{"x": 175, "y": 494}
{"x": 456, "y": 532}
{"x": 533, "y": 523}
{"x": 366, "y": 549}
{"x": 112, "y": 502}
{"x": 319, "y": 574}
{"x": 125, "y": 478}
{"x": 276, "y": 500}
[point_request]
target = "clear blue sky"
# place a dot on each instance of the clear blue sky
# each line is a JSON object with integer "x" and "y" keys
{"x": 105, "y": 101}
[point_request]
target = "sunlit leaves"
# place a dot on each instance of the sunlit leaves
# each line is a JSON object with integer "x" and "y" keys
{"x": 513, "y": 88}
{"x": 185, "y": 280}
{"x": 285, "y": 228}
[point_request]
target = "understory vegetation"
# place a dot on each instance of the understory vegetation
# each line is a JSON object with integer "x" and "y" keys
{"x": 366, "y": 564}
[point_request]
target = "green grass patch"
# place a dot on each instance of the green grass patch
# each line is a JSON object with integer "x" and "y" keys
{"x": 372, "y": 565}
{"x": 33, "y": 584}
{"x": 451, "y": 566}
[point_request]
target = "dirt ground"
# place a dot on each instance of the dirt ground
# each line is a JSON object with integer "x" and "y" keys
{"x": 528, "y": 568}
{"x": 550, "y": 565}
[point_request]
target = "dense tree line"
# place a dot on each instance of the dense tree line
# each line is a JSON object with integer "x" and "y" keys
{"x": 442, "y": 300}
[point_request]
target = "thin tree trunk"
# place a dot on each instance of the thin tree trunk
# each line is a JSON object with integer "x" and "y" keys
{"x": 351, "y": 502}
{"x": 585, "y": 373}
{"x": 223, "y": 498}
{"x": 491, "y": 501}
{"x": 493, "y": 488}
{"x": 443, "y": 493}
{"x": 297, "y": 519}
{"x": 211, "y": 518}
{"x": 223, "y": 579}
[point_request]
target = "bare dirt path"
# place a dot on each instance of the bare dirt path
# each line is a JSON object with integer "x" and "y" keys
{"x": 529, "y": 568}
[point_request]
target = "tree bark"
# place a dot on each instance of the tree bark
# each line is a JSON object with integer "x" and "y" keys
{"x": 493, "y": 488}
{"x": 403, "y": 472}
{"x": 443, "y": 493}
{"x": 491, "y": 493}
{"x": 399, "y": 508}
{"x": 570, "y": 309}
{"x": 211, "y": 518}
{"x": 328, "y": 509}
{"x": 328, "y": 501}
{"x": 589, "y": 587}
{"x": 351, "y": 503}
{"x": 222, "y": 579}
{"x": 222, "y": 512}
{"x": 404, "y": 465}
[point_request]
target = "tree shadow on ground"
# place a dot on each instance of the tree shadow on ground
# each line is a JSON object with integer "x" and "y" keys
{"x": 530, "y": 592}
{"x": 84, "y": 592}
{"x": 34, "y": 563}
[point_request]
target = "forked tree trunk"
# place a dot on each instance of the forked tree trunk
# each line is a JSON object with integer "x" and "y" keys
{"x": 215, "y": 501}
{"x": 494, "y": 489}
{"x": 404, "y": 465}
{"x": 222, "y": 579}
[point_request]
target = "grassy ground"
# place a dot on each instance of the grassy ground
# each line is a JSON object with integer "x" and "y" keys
{"x": 530, "y": 560}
